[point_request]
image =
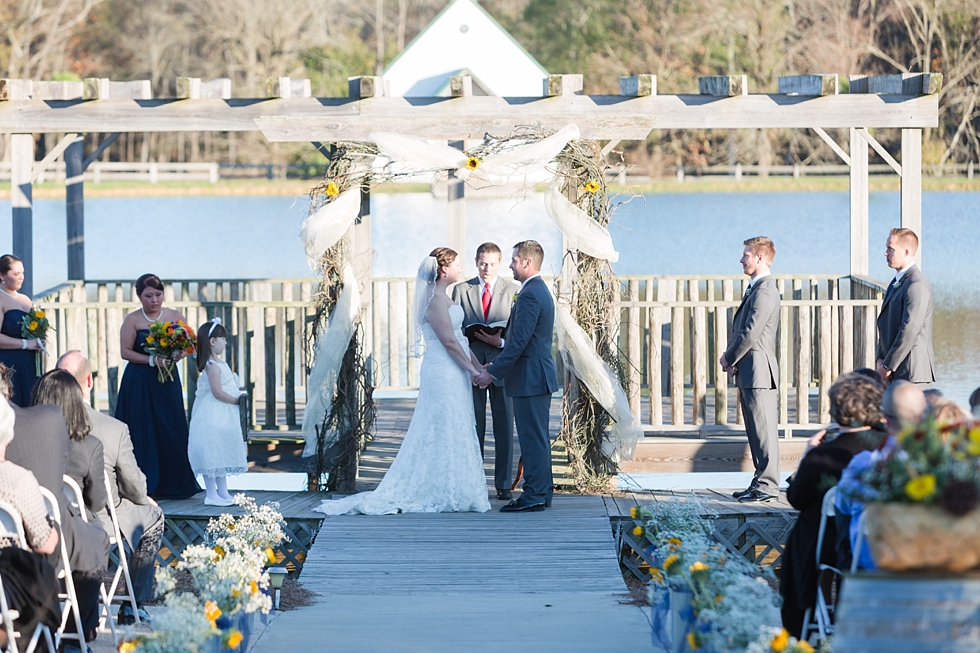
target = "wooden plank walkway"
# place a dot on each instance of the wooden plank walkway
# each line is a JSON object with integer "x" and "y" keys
{"x": 546, "y": 581}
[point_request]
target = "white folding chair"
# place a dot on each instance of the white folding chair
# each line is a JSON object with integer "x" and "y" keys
{"x": 68, "y": 598}
{"x": 122, "y": 568}
{"x": 12, "y": 528}
{"x": 819, "y": 620}
{"x": 858, "y": 545}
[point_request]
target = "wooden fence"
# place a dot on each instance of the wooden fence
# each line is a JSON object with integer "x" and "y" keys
{"x": 672, "y": 331}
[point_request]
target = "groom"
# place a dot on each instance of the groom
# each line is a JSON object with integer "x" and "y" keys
{"x": 528, "y": 371}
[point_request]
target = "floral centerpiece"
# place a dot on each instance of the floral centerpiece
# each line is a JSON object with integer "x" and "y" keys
{"x": 167, "y": 339}
{"x": 262, "y": 526}
{"x": 34, "y": 326}
{"x": 778, "y": 640}
{"x": 183, "y": 626}
{"x": 729, "y": 597}
{"x": 922, "y": 491}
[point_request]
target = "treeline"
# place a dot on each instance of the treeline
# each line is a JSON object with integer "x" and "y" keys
{"x": 678, "y": 40}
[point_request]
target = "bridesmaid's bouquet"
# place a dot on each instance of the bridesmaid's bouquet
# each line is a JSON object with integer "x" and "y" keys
{"x": 167, "y": 339}
{"x": 35, "y": 326}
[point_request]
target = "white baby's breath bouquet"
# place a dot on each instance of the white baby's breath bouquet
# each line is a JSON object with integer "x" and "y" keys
{"x": 230, "y": 573}
{"x": 261, "y": 526}
{"x": 182, "y": 627}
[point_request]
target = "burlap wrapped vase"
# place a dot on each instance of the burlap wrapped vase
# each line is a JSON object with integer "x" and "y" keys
{"x": 908, "y": 536}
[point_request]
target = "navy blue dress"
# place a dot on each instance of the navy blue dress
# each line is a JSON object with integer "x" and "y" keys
{"x": 23, "y": 362}
{"x": 157, "y": 423}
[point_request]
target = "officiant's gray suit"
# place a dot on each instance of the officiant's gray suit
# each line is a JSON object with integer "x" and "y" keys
{"x": 469, "y": 295}
{"x": 752, "y": 350}
{"x": 905, "y": 329}
{"x": 528, "y": 371}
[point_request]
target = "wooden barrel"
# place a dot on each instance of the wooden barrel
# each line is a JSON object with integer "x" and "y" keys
{"x": 906, "y": 612}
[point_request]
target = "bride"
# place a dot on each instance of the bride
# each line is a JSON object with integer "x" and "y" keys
{"x": 438, "y": 467}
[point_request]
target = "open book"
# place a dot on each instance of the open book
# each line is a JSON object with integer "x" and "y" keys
{"x": 495, "y": 329}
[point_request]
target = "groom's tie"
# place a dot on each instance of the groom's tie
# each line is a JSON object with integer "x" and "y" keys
{"x": 486, "y": 301}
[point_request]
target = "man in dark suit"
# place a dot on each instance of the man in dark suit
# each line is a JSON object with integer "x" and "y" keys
{"x": 486, "y": 299}
{"x": 904, "y": 349}
{"x": 528, "y": 371}
{"x": 140, "y": 518}
{"x": 751, "y": 358}
{"x": 40, "y": 445}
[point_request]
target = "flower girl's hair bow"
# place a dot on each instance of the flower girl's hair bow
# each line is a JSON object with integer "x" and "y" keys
{"x": 214, "y": 322}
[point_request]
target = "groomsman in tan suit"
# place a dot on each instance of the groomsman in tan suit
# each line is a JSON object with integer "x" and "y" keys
{"x": 487, "y": 299}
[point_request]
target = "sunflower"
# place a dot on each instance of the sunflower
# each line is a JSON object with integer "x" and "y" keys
{"x": 592, "y": 186}
{"x": 233, "y": 640}
{"x": 473, "y": 163}
{"x": 332, "y": 190}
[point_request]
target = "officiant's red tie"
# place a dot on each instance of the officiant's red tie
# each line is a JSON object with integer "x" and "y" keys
{"x": 486, "y": 302}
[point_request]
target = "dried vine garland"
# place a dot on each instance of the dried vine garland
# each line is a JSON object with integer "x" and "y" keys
{"x": 352, "y": 409}
{"x": 590, "y": 293}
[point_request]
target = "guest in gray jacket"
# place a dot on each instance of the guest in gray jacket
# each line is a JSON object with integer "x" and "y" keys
{"x": 140, "y": 519}
{"x": 486, "y": 299}
{"x": 751, "y": 359}
{"x": 904, "y": 349}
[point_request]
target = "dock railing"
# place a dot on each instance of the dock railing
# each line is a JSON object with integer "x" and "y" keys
{"x": 671, "y": 332}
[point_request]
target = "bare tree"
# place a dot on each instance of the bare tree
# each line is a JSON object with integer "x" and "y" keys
{"x": 36, "y": 33}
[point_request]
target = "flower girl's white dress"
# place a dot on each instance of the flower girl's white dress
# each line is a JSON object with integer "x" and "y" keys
{"x": 438, "y": 467}
{"x": 215, "y": 446}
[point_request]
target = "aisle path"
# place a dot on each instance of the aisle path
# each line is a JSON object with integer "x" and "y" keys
{"x": 471, "y": 582}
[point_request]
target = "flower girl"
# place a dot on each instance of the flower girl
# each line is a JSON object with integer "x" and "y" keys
{"x": 215, "y": 446}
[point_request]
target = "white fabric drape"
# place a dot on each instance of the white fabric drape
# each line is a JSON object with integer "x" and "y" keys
{"x": 418, "y": 155}
{"x": 582, "y": 232}
{"x": 327, "y": 226}
{"x": 327, "y": 358}
{"x": 579, "y": 355}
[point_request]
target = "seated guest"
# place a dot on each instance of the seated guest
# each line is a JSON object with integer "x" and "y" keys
{"x": 40, "y": 445}
{"x": 29, "y": 581}
{"x": 946, "y": 411}
{"x": 140, "y": 519}
{"x": 85, "y": 466}
{"x": 854, "y": 407}
{"x": 902, "y": 404}
{"x": 975, "y": 402}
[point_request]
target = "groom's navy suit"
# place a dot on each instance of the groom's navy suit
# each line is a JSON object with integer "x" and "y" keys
{"x": 528, "y": 371}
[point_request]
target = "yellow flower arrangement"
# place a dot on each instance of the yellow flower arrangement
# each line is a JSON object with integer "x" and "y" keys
{"x": 39, "y": 314}
{"x": 656, "y": 576}
{"x": 637, "y": 531}
{"x": 697, "y": 566}
{"x": 128, "y": 646}
{"x": 692, "y": 641}
{"x": 591, "y": 186}
{"x": 32, "y": 325}
{"x": 973, "y": 445}
{"x": 233, "y": 640}
{"x": 212, "y": 612}
{"x": 331, "y": 190}
{"x": 473, "y": 163}
{"x": 671, "y": 559}
{"x": 780, "y": 641}
{"x": 921, "y": 487}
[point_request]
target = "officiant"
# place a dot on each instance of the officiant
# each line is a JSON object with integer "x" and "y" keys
{"x": 486, "y": 301}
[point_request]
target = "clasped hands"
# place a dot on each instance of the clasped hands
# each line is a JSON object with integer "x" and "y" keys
{"x": 481, "y": 378}
{"x": 726, "y": 366}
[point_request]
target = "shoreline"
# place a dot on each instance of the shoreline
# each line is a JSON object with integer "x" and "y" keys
{"x": 691, "y": 184}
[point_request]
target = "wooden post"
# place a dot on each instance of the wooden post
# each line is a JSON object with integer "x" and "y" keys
{"x": 699, "y": 355}
{"x": 859, "y": 203}
{"x": 633, "y": 346}
{"x": 22, "y": 204}
{"x": 784, "y": 356}
{"x": 269, "y": 322}
{"x": 846, "y": 339}
{"x": 655, "y": 366}
{"x": 721, "y": 344}
{"x": 394, "y": 321}
{"x": 75, "y": 208}
{"x": 456, "y": 214}
{"x": 677, "y": 360}
{"x": 802, "y": 346}
{"x": 826, "y": 364}
{"x": 912, "y": 185}
{"x": 289, "y": 352}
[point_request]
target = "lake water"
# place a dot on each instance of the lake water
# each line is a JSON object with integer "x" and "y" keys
{"x": 689, "y": 233}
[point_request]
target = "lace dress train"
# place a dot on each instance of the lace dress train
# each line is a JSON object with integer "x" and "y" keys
{"x": 438, "y": 467}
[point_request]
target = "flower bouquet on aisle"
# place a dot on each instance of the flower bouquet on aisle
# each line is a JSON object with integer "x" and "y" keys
{"x": 167, "y": 339}
{"x": 35, "y": 326}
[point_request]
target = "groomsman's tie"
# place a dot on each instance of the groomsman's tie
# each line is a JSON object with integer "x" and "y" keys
{"x": 486, "y": 301}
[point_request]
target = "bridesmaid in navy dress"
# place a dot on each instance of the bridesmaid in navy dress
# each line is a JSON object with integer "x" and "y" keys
{"x": 18, "y": 354}
{"x": 154, "y": 411}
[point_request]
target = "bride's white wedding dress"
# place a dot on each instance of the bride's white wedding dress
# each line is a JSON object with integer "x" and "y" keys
{"x": 438, "y": 467}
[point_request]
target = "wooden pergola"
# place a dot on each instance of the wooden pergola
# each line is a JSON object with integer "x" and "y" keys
{"x": 908, "y": 102}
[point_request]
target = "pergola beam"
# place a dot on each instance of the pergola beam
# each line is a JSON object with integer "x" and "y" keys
{"x": 600, "y": 117}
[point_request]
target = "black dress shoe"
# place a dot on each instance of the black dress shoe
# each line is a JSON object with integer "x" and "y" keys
{"x": 125, "y": 615}
{"x": 741, "y": 493}
{"x": 755, "y": 496}
{"x": 504, "y": 495}
{"x": 517, "y": 506}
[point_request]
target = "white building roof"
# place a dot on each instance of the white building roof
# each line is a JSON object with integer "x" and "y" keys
{"x": 465, "y": 39}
